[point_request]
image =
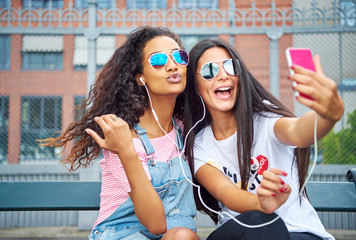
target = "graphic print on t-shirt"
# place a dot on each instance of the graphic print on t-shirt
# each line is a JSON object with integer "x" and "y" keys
{"x": 259, "y": 164}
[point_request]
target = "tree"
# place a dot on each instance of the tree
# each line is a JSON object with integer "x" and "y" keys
{"x": 340, "y": 147}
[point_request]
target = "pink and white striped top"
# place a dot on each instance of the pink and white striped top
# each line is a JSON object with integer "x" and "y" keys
{"x": 115, "y": 186}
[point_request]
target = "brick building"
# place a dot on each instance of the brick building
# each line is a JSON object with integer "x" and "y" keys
{"x": 48, "y": 47}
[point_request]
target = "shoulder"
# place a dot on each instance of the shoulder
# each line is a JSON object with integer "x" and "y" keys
{"x": 266, "y": 118}
{"x": 203, "y": 135}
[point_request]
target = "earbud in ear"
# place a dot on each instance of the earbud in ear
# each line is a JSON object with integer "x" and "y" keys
{"x": 142, "y": 80}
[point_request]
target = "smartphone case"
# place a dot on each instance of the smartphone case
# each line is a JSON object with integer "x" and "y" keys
{"x": 302, "y": 57}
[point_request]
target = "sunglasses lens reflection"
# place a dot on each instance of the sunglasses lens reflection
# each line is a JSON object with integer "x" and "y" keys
{"x": 211, "y": 70}
{"x": 229, "y": 67}
{"x": 180, "y": 56}
{"x": 159, "y": 60}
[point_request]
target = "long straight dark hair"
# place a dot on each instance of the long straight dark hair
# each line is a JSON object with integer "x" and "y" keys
{"x": 248, "y": 103}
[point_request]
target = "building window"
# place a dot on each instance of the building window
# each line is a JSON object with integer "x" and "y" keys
{"x": 78, "y": 110}
{"x": 4, "y": 127}
{"x": 4, "y": 52}
{"x": 43, "y": 3}
{"x": 348, "y": 6}
{"x": 41, "y": 117}
{"x": 190, "y": 40}
{"x": 132, "y": 4}
{"x": 105, "y": 48}
{"x": 4, "y": 3}
{"x": 42, "y": 52}
{"x": 197, "y": 3}
{"x": 100, "y": 4}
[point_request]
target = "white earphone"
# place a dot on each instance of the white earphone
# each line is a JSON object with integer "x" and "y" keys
{"x": 149, "y": 97}
{"x": 142, "y": 81}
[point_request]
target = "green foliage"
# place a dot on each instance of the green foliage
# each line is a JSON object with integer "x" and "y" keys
{"x": 340, "y": 147}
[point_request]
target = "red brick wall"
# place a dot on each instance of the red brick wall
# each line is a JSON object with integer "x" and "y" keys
{"x": 68, "y": 83}
{"x": 254, "y": 50}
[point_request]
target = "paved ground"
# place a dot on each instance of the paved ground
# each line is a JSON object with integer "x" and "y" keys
{"x": 72, "y": 233}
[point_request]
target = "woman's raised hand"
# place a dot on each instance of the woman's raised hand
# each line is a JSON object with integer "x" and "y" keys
{"x": 117, "y": 134}
{"x": 273, "y": 191}
{"x": 327, "y": 102}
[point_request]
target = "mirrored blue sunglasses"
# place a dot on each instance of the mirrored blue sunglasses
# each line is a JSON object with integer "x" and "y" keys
{"x": 160, "y": 59}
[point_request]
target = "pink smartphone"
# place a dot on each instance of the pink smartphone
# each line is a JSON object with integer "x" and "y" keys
{"x": 302, "y": 57}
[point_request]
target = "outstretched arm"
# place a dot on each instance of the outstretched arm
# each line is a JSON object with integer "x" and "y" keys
{"x": 271, "y": 194}
{"x": 327, "y": 106}
{"x": 118, "y": 139}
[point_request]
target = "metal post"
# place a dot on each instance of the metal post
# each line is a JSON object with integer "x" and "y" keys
{"x": 274, "y": 61}
{"x": 92, "y": 33}
{"x": 92, "y": 173}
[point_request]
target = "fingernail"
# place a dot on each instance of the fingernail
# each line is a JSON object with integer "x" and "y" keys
{"x": 282, "y": 182}
{"x": 285, "y": 188}
{"x": 281, "y": 189}
{"x": 292, "y": 67}
{"x": 87, "y": 131}
{"x": 289, "y": 77}
{"x": 284, "y": 173}
{"x": 273, "y": 194}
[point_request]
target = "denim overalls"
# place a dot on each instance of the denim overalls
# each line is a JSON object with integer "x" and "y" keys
{"x": 173, "y": 189}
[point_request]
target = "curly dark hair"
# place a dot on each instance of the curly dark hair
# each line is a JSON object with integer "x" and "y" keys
{"x": 116, "y": 91}
{"x": 250, "y": 101}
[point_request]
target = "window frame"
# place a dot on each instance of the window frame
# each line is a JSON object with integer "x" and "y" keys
{"x": 146, "y": 4}
{"x": 42, "y": 60}
{"x": 5, "y": 45}
{"x": 103, "y": 4}
{"x": 188, "y": 46}
{"x": 59, "y": 4}
{"x": 4, "y": 128}
{"x": 204, "y": 4}
{"x": 103, "y": 51}
{"x": 33, "y": 126}
{"x": 5, "y": 3}
{"x": 78, "y": 112}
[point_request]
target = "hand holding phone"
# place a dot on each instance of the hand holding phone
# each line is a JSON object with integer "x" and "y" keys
{"x": 302, "y": 57}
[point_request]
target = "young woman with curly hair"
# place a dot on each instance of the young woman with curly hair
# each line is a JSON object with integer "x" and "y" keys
{"x": 246, "y": 134}
{"x": 144, "y": 194}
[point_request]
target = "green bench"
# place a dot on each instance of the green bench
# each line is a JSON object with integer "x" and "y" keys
{"x": 40, "y": 196}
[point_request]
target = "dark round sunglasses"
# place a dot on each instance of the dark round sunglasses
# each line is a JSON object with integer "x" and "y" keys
{"x": 160, "y": 59}
{"x": 211, "y": 69}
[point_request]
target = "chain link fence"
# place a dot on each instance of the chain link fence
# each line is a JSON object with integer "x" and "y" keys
{"x": 338, "y": 60}
{"x": 40, "y": 80}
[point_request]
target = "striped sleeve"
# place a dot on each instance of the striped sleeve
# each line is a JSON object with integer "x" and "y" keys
{"x": 116, "y": 168}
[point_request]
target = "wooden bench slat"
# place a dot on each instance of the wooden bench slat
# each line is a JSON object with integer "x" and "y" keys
{"x": 332, "y": 196}
{"x": 22, "y": 196}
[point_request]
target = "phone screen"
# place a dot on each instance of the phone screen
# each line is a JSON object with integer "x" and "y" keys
{"x": 302, "y": 57}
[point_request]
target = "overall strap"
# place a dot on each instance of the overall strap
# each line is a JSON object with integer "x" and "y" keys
{"x": 142, "y": 135}
{"x": 178, "y": 134}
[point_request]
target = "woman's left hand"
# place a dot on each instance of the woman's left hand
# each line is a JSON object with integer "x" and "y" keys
{"x": 273, "y": 192}
{"x": 326, "y": 102}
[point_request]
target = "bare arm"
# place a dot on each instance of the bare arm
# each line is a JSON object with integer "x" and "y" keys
{"x": 327, "y": 106}
{"x": 147, "y": 204}
{"x": 270, "y": 196}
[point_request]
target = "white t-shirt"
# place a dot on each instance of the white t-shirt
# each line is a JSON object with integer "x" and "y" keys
{"x": 267, "y": 152}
